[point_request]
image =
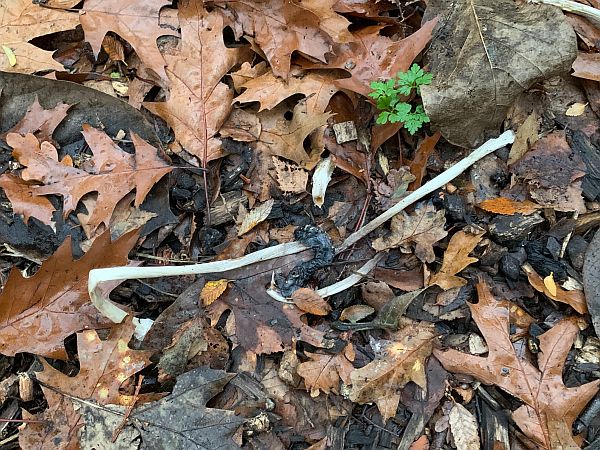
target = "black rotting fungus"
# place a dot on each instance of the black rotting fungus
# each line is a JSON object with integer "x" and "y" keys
{"x": 319, "y": 242}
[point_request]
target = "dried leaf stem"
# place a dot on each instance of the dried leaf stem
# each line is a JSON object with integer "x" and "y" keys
{"x": 114, "y": 313}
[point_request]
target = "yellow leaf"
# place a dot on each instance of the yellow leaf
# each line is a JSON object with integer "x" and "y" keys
{"x": 550, "y": 284}
{"x": 576, "y": 109}
{"x": 212, "y": 290}
{"x": 12, "y": 58}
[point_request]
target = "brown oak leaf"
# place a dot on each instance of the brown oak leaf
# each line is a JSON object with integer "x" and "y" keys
{"x": 39, "y": 121}
{"x": 104, "y": 366}
{"x": 24, "y": 201}
{"x": 136, "y": 21}
{"x": 549, "y": 407}
{"x": 281, "y": 27}
{"x": 424, "y": 227}
{"x": 323, "y": 372}
{"x": 456, "y": 258}
{"x": 198, "y": 102}
{"x": 398, "y": 361}
{"x": 270, "y": 90}
{"x": 39, "y": 312}
{"x": 114, "y": 173}
{"x": 20, "y": 22}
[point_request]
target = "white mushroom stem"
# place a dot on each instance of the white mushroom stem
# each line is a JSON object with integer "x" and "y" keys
{"x": 114, "y": 313}
{"x": 586, "y": 11}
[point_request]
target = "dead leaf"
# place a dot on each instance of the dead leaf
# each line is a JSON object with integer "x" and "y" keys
{"x": 270, "y": 90}
{"x": 424, "y": 227}
{"x": 309, "y": 301}
{"x": 508, "y": 207}
{"x": 323, "y": 372}
{"x": 20, "y": 22}
{"x": 255, "y": 216}
{"x": 576, "y": 109}
{"x": 483, "y": 55}
{"x": 398, "y": 361}
{"x": 198, "y": 102}
{"x": 24, "y": 202}
{"x": 290, "y": 177}
{"x": 54, "y": 303}
{"x": 546, "y": 399}
{"x": 576, "y": 299}
{"x": 136, "y": 21}
{"x": 113, "y": 174}
{"x": 39, "y": 121}
{"x": 212, "y": 290}
{"x": 281, "y": 27}
{"x": 464, "y": 427}
{"x": 550, "y": 284}
{"x": 58, "y": 427}
{"x": 525, "y": 137}
{"x": 172, "y": 423}
{"x": 419, "y": 162}
{"x": 104, "y": 366}
{"x": 355, "y": 313}
{"x": 587, "y": 65}
{"x": 456, "y": 258}
{"x": 553, "y": 171}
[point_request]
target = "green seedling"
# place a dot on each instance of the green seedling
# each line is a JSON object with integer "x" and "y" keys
{"x": 388, "y": 94}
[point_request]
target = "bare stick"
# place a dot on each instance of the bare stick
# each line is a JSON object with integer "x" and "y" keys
{"x": 586, "y": 11}
{"x": 445, "y": 177}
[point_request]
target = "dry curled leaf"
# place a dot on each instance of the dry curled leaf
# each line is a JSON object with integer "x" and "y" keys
{"x": 576, "y": 299}
{"x": 548, "y": 405}
{"x": 24, "y": 202}
{"x": 309, "y": 301}
{"x": 397, "y": 361}
{"x": 456, "y": 258}
{"x": 423, "y": 228}
{"x": 212, "y": 290}
{"x": 323, "y": 372}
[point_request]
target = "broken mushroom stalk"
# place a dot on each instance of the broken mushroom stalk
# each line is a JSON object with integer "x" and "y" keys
{"x": 116, "y": 314}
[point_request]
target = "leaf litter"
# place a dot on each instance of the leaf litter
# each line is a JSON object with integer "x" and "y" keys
{"x": 295, "y": 337}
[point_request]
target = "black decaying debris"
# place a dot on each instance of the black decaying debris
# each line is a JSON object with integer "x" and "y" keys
{"x": 319, "y": 242}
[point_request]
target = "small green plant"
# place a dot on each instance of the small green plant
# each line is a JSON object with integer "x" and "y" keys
{"x": 388, "y": 93}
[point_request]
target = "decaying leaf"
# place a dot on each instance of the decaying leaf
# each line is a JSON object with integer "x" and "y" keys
{"x": 456, "y": 258}
{"x": 324, "y": 371}
{"x": 255, "y": 216}
{"x": 281, "y": 27}
{"x": 464, "y": 427}
{"x": 309, "y": 301}
{"x": 54, "y": 303}
{"x": 136, "y": 21}
{"x": 576, "y": 109}
{"x": 20, "y": 22}
{"x": 41, "y": 122}
{"x": 104, "y": 366}
{"x": 506, "y": 206}
{"x": 553, "y": 171}
{"x": 182, "y": 419}
{"x": 290, "y": 177}
{"x": 525, "y": 137}
{"x": 23, "y": 201}
{"x": 484, "y": 53}
{"x": 113, "y": 172}
{"x": 212, "y": 290}
{"x": 198, "y": 102}
{"x": 419, "y": 162}
{"x": 398, "y": 361}
{"x": 548, "y": 404}
{"x": 423, "y": 228}
{"x": 576, "y": 299}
